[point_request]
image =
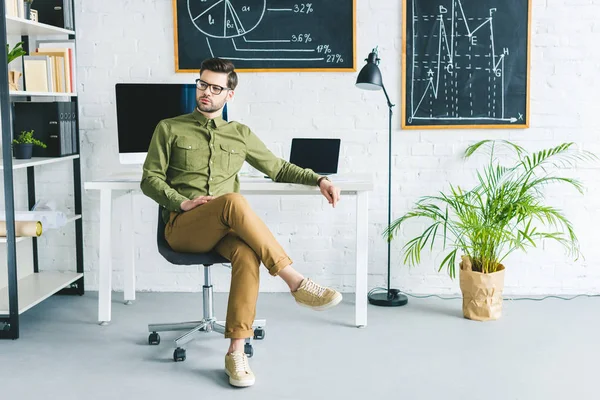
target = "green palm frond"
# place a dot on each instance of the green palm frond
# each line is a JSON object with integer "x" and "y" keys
{"x": 491, "y": 145}
{"x": 504, "y": 212}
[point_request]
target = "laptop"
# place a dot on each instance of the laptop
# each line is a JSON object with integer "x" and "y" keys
{"x": 320, "y": 155}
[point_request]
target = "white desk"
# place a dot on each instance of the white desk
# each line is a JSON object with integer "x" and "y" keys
{"x": 358, "y": 186}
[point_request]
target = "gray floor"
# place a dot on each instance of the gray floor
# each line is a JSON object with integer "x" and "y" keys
{"x": 426, "y": 350}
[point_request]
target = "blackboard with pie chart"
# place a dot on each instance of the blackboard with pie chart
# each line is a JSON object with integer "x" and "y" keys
{"x": 266, "y": 35}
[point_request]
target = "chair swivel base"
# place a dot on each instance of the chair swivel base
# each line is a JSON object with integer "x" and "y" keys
{"x": 195, "y": 328}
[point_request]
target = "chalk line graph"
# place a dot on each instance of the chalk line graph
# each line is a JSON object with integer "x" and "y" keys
{"x": 458, "y": 68}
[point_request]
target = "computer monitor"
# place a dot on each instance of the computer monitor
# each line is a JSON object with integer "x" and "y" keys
{"x": 140, "y": 107}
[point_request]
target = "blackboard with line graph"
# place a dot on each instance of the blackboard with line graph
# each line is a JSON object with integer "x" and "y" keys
{"x": 266, "y": 35}
{"x": 466, "y": 64}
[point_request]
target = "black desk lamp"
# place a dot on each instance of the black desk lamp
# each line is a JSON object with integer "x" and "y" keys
{"x": 369, "y": 78}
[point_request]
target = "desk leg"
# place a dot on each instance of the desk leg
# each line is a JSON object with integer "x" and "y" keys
{"x": 129, "y": 272}
{"x": 105, "y": 258}
{"x": 362, "y": 253}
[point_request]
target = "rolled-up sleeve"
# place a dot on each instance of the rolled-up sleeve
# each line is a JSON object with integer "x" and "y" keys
{"x": 154, "y": 178}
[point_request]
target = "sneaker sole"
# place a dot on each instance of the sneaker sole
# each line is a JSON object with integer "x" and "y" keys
{"x": 237, "y": 383}
{"x": 334, "y": 302}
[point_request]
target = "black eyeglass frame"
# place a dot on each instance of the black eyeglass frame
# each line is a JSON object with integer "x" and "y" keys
{"x": 211, "y": 86}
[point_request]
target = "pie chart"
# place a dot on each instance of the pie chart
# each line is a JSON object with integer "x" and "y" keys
{"x": 226, "y": 18}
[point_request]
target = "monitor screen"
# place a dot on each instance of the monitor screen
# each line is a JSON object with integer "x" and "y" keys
{"x": 319, "y": 154}
{"x": 141, "y": 106}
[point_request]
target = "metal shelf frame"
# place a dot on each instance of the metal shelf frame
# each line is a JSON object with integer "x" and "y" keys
{"x": 50, "y": 283}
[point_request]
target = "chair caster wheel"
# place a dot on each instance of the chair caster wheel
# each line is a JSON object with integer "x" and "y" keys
{"x": 154, "y": 339}
{"x": 179, "y": 354}
{"x": 248, "y": 349}
{"x": 259, "y": 333}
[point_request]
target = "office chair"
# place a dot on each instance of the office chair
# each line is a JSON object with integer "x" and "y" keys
{"x": 208, "y": 323}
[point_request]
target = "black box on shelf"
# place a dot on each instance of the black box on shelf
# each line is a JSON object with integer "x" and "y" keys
{"x": 55, "y": 12}
{"x": 54, "y": 123}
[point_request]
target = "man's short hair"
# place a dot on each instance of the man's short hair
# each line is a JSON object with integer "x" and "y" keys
{"x": 223, "y": 66}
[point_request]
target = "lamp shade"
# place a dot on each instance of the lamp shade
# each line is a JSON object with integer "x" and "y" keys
{"x": 369, "y": 77}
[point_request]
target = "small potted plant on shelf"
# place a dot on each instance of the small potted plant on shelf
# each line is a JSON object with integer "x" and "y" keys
{"x": 504, "y": 212}
{"x": 27, "y": 8}
{"x": 11, "y": 55}
{"x": 23, "y": 145}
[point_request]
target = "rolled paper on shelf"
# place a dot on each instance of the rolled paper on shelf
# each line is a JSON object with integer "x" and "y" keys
{"x": 23, "y": 228}
{"x": 49, "y": 219}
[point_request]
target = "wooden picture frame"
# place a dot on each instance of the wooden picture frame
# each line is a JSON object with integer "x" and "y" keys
{"x": 435, "y": 60}
{"x": 319, "y": 49}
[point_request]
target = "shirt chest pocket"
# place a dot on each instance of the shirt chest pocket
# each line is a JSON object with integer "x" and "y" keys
{"x": 188, "y": 154}
{"x": 232, "y": 157}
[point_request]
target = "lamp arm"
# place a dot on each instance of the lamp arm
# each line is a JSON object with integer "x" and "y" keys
{"x": 390, "y": 105}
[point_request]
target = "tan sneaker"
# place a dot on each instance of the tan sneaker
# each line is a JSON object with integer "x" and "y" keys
{"x": 238, "y": 370}
{"x": 315, "y": 296}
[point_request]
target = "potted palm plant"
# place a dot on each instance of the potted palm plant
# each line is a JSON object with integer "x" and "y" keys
{"x": 504, "y": 212}
{"x": 23, "y": 145}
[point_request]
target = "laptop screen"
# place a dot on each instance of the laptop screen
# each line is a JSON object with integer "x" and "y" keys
{"x": 320, "y": 155}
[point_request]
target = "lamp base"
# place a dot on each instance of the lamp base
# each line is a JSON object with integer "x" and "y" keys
{"x": 392, "y": 298}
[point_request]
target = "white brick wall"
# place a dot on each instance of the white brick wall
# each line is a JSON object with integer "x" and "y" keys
{"x": 132, "y": 41}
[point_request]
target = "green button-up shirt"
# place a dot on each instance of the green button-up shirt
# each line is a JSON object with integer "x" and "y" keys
{"x": 191, "y": 156}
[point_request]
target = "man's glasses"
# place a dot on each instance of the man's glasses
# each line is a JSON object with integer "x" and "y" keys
{"x": 214, "y": 89}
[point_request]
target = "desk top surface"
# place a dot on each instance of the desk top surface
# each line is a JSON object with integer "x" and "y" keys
{"x": 248, "y": 184}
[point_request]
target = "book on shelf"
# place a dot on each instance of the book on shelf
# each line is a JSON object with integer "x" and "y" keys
{"x": 62, "y": 70}
{"x": 38, "y": 72}
{"x": 60, "y": 64}
{"x": 11, "y": 8}
{"x": 63, "y": 44}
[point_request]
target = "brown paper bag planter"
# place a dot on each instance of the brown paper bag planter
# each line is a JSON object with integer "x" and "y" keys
{"x": 482, "y": 293}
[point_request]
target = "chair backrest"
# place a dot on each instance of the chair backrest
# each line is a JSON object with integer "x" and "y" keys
{"x": 178, "y": 258}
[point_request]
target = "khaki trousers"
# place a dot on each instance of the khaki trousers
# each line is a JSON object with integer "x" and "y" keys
{"x": 228, "y": 225}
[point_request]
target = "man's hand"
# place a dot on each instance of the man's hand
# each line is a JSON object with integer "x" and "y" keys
{"x": 331, "y": 193}
{"x": 198, "y": 201}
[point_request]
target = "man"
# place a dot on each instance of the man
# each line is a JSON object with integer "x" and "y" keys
{"x": 191, "y": 170}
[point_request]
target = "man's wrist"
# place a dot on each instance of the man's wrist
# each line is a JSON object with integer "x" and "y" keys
{"x": 321, "y": 179}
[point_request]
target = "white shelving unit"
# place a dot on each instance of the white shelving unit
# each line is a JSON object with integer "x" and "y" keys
{"x": 36, "y": 288}
{"x": 25, "y": 27}
{"x": 17, "y": 239}
{"x": 25, "y": 288}
{"x": 25, "y": 93}
{"x": 33, "y": 161}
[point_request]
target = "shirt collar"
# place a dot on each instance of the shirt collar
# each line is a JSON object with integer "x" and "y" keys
{"x": 218, "y": 121}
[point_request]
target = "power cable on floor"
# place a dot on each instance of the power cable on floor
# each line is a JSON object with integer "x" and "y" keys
{"x": 504, "y": 298}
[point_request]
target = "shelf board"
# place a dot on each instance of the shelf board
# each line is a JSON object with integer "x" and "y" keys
{"x": 70, "y": 218}
{"x": 33, "y": 161}
{"x": 17, "y": 239}
{"x": 73, "y": 218}
{"x": 36, "y": 288}
{"x": 41, "y": 94}
{"x": 24, "y": 27}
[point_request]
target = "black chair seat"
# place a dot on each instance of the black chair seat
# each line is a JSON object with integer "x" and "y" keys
{"x": 177, "y": 258}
